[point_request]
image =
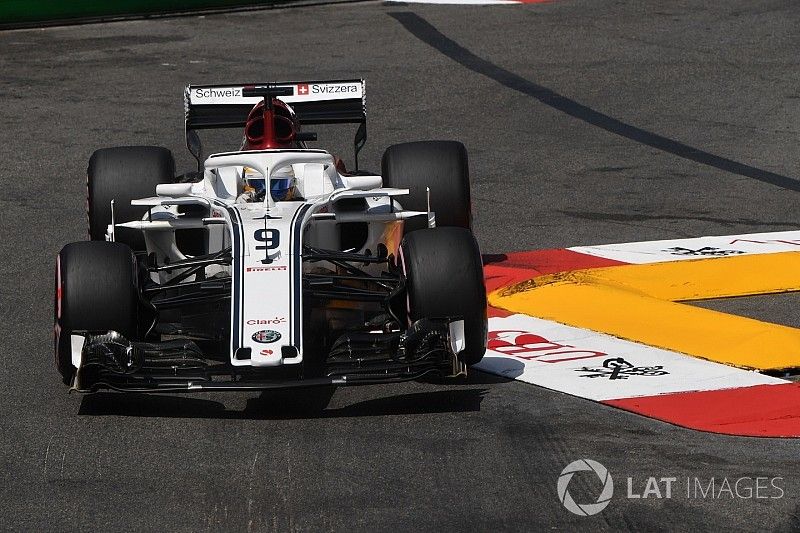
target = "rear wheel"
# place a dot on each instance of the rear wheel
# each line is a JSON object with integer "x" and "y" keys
{"x": 123, "y": 174}
{"x": 95, "y": 290}
{"x": 441, "y": 166}
{"x": 444, "y": 278}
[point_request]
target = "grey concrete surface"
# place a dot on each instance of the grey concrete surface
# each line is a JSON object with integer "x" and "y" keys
{"x": 587, "y": 122}
{"x": 776, "y": 308}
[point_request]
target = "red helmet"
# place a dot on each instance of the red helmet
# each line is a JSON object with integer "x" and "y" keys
{"x": 282, "y": 133}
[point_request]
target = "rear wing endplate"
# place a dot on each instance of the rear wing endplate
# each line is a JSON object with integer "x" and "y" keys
{"x": 314, "y": 102}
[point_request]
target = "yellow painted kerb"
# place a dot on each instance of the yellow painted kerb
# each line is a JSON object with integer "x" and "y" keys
{"x": 637, "y": 302}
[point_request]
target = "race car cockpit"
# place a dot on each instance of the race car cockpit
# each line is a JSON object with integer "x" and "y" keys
{"x": 271, "y": 124}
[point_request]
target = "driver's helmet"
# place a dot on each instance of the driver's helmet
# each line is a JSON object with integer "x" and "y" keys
{"x": 282, "y": 186}
{"x": 285, "y": 127}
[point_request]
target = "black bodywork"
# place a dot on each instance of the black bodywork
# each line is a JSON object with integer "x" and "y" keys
{"x": 187, "y": 324}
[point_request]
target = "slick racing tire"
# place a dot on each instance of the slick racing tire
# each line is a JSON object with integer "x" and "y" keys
{"x": 95, "y": 290}
{"x": 444, "y": 278}
{"x": 440, "y": 165}
{"x": 123, "y": 174}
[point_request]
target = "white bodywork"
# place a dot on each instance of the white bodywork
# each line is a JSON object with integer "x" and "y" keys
{"x": 267, "y": 239}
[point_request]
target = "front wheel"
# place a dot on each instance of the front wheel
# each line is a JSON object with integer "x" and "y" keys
{"x": 444, "y": 278}
{"x": 95, "y": 290}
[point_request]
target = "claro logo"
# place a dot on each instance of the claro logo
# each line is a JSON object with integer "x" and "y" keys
{"x": 257, "y": 322}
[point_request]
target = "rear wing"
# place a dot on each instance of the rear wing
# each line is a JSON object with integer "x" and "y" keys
{"x": 314, "y": 102}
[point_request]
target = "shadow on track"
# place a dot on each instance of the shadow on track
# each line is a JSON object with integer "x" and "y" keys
{"x": 290, "y": 404}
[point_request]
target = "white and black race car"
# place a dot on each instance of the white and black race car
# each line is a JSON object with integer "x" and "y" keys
{"x": 271, "y": 266}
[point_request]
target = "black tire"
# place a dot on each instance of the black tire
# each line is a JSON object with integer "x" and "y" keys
{"x": 444, "y": 277}
{"x": 96, "y": 289}
{"x": 123, "y": 174}
{"x": 440, "y": 165}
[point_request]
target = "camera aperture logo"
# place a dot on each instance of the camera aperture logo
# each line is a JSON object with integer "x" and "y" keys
{"x": 585, "y": 509}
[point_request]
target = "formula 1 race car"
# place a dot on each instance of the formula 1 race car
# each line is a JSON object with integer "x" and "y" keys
{"x": 271, "y": 266}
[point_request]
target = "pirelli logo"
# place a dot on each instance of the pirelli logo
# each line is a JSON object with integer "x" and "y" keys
{"x": 266, "y": 268}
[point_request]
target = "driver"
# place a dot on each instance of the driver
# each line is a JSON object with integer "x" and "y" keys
{"x": 283, "y": 186}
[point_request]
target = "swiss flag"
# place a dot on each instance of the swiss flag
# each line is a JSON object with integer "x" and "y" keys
{"x": 302, "y": 89}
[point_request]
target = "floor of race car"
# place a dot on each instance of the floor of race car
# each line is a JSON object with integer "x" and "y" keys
{"x": 587, "y": 123}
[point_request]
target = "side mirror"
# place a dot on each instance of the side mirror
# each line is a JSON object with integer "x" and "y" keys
{"x": 195, "y": 147}
{"x": 313, "y": 181}
{"x": 359, "y": 140}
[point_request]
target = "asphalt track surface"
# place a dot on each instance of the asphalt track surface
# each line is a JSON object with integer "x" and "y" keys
{"x": 587, "y": 122}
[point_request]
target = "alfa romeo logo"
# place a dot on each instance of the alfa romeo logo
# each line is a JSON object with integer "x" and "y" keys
{"x": 266, "y": 336}
{"x": 585, "y": 509}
